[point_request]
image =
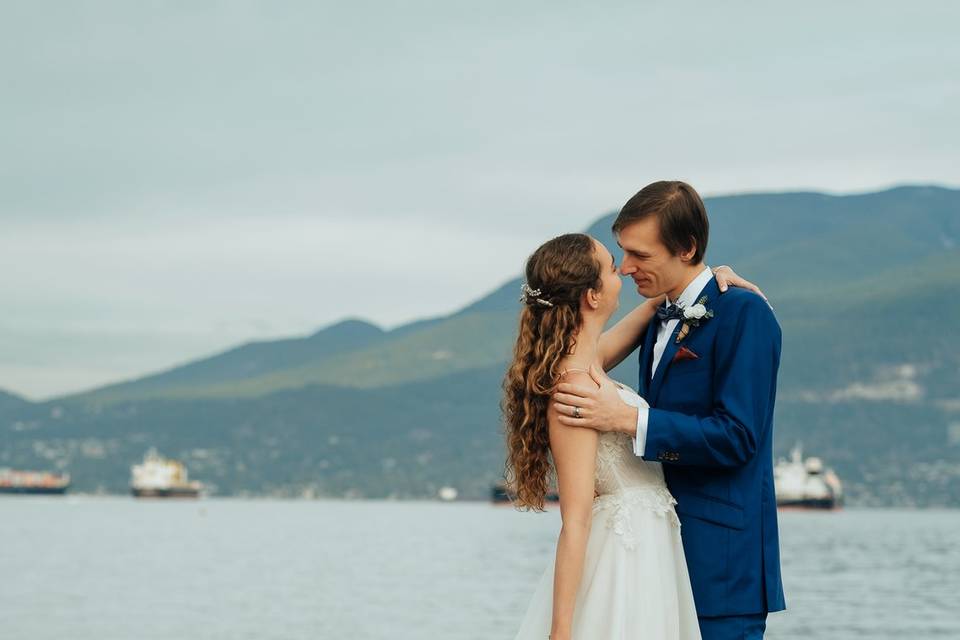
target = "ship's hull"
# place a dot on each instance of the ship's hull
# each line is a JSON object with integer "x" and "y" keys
{"x": 173, "y": 492}
{"x": 34, "y": 491}
{"x": 809, "y": 503}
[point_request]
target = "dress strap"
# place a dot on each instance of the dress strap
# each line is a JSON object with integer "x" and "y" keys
{"x": 566, "y": 371}
{"x": 587, "y": 371}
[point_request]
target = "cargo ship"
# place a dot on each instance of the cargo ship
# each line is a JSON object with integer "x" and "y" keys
{"x": 160, "y": 477}
{"x": 500, "y": 494}
{"x": 33, "y": 482}
{"x": 805, "y": 483}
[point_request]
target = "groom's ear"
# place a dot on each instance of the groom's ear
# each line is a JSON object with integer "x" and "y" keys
{"x": 687, "y": 255}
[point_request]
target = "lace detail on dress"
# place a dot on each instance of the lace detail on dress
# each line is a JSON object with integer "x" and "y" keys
{"x": 619, "y": 468}
{"x": 626, "y": 482}
{"x": 634, "y": 522}
{"x": 612, "y": 450}
{"x": 621, "y": 504}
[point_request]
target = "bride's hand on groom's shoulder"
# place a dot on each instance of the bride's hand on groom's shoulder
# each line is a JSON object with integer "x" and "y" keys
{"x": 727, "y": 277}
{"x": 599, "y": 408}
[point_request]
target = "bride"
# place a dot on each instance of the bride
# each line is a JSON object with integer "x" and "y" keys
{"x": 619, "y": 570}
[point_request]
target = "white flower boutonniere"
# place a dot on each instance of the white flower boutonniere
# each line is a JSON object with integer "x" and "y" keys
{"x": 695, "y": 312}
{"x": 693, "y": 316}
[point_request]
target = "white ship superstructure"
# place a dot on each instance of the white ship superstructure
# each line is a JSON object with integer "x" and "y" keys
{"x": 162, "y": 477}
{"x": 806, "y": 483}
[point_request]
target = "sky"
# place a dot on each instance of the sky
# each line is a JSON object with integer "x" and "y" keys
{"x": 177, "y": 178}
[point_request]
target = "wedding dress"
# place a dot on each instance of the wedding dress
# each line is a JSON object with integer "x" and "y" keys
{"x": 634, "y": 582}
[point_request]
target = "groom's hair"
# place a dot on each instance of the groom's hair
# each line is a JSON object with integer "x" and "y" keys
{"x": 683, "y": 218}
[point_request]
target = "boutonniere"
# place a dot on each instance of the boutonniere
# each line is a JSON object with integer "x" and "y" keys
{"x": 685, "y": 354}
{"x": 693, "y": 316}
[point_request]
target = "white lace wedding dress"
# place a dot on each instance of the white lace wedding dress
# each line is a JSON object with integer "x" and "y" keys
{"x": 635, "y": 582}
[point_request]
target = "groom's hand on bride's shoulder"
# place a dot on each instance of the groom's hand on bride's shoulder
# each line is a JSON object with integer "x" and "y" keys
{"x": 599, "y": 408}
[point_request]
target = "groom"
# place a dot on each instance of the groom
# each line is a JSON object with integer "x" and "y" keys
{"x": 708, "y": 369}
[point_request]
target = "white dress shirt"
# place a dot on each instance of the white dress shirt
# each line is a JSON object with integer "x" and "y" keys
{"x": 686, "y": 299}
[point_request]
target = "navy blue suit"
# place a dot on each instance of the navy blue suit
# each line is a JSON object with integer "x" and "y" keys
{"x": 711, "y": 425}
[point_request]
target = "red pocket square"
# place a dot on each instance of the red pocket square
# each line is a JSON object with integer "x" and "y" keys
{"x": 684, "y": 354}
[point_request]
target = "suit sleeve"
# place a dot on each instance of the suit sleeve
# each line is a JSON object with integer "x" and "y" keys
{"x": 747, "y": 357}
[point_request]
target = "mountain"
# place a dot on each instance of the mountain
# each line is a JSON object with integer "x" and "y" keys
{"x": 403, "y": 441}
{"x": 10, "y": 401}
{"x": 863, "y": 285}
{"x": 801, "y": 248}
{"x": 249, "y": 361}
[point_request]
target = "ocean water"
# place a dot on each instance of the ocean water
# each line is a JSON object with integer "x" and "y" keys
{"x": 99, "y": 568}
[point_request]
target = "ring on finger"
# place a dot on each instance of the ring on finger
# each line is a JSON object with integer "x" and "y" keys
{"x": 576, "y": 412}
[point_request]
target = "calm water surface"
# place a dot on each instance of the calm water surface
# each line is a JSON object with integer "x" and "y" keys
{"x": 94, "y": 568}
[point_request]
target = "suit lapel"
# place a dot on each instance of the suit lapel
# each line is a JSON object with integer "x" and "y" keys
{"x": 664, "y": 364}
{"x": 711, "y": 291}
{"x": 646, "y": 356}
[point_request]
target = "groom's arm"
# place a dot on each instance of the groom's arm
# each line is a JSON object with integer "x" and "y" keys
{"x": 747, "y": 357}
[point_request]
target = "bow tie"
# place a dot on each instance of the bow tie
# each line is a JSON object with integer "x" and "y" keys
{"x": 673, "y": 312}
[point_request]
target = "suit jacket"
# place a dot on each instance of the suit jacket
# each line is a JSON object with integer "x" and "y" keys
{"x": 711, "y": 425}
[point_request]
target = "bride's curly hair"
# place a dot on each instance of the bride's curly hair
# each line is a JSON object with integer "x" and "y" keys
{"x": 558, "y": 274}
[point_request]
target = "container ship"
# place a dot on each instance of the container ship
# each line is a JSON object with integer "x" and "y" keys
{"x": 159, "y": 477}
{"x": 33, "y": 482}
{"x": 500, "y": 494}
{"x": 806, "y": 484}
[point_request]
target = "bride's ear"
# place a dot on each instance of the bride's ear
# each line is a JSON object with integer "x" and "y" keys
{"x": 592, "y": 298}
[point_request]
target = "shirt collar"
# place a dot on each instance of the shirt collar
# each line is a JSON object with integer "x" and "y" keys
{"x": 689, "y": 295}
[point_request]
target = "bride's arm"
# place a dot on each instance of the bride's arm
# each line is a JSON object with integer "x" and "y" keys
{"x": 574, "y": 455}
{"x": 617, "y": 342}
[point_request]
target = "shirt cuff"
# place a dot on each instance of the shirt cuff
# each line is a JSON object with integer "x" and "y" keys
{"x": 640, "y": 441}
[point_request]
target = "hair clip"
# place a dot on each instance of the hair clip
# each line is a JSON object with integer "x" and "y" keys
{"x": 527, "y": 294}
